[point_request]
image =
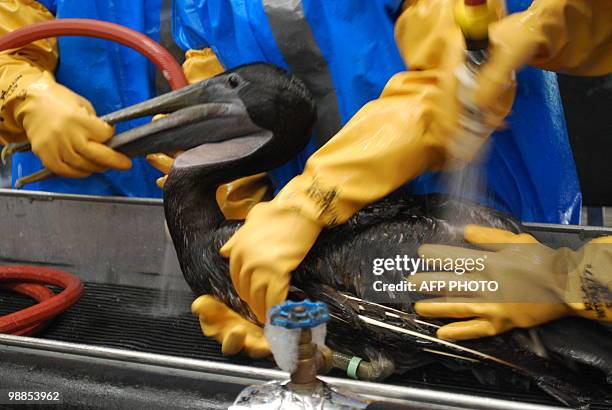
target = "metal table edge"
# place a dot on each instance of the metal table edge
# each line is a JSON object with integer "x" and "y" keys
{"x": 50, "y": 196}
{"x": 257, "y": 375}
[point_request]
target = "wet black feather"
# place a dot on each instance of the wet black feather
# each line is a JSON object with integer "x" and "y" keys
{"x": 339, "y": 267}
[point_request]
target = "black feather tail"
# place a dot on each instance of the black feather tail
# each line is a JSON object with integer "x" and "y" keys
{"x": 411, "y": 342}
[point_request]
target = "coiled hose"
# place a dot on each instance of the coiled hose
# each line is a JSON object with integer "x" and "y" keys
{"x": 30, "y": 280}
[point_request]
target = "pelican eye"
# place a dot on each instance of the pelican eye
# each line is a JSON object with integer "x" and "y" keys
{"x": 233, "y": 81}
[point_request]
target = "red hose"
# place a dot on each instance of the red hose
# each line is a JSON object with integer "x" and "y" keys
{"x": 48, "y": 308}
{"x": 36, "y": 292}
{"x": 169, "y": 67}
{"x": 32, "y": 319}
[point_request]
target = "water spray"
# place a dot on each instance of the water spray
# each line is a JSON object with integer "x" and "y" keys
{"x": 473, "y": 17}
{"x": 469, "y": 143}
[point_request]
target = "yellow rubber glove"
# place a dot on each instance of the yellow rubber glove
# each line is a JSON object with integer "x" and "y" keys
{"x": 62, "y": 127}
{"x": 163, "y": 163}
{"x": 201, "y": 65}
{"x": 535, "y": 284}
{"x": 65, "y": 132}
{"x": 571, "y": 36}
{"x": 236, "y": 198}
{"x": 22, "y": 65}
{"x": 387, "y": 143}
{"x": 232, "y": 331}
{"x": 265, "y": 250}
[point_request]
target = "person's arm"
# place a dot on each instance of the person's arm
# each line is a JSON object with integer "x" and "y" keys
{"x": 390, "y": 141}
{"x": 22, "y": 66}
{"x": 568, "y": 36}
{"x": 534, "y": 284}
{"x": 61, "y": 126}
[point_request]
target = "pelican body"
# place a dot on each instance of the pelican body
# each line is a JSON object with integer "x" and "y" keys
{"x": 256, "y": 117}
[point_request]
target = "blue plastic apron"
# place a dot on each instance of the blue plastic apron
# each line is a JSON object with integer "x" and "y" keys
{"x": 351, "y": 53}
{"x": 111, "y": 76}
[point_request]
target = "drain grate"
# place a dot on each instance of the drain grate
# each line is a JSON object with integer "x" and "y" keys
{"x": 130, "y": 318}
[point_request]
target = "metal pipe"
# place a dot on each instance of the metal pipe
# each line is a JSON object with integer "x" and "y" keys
{"x": 365, "y": 370}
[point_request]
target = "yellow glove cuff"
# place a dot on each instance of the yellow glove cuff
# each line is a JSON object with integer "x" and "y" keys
{"x": 589, "y": 285}
{"x": 21, "y": 67}
{"x": 17, "y": 93}
{"x": 292, "y": 216}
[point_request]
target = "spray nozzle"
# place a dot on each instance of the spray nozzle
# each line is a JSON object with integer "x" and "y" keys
{"x": 474, "y": 18}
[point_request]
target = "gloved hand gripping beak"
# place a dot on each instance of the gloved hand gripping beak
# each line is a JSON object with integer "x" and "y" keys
{"x": 188, "y": 112}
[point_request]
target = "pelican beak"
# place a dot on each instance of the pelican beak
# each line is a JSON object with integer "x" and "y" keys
{"x": 204, "y": 113}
